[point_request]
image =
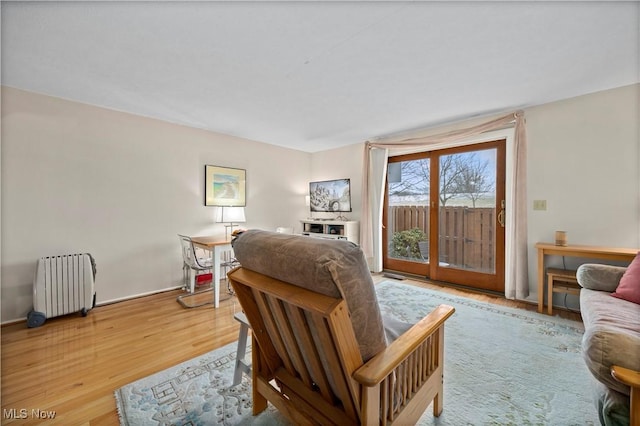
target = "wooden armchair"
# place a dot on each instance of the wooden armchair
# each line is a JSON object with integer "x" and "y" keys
{"x": 312, "y": 347}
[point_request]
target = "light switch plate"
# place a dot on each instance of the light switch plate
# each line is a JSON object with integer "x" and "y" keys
{"x": 540, "y": 204}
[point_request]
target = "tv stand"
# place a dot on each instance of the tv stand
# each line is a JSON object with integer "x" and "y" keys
{"x": 332, "y": 229}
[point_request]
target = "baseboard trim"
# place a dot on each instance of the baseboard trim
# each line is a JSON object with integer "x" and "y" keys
{"x": 137, "y": 296}
{"x": 104, "y": 303}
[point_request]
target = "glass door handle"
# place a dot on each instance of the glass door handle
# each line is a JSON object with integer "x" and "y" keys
{"x": 501, "y": 215}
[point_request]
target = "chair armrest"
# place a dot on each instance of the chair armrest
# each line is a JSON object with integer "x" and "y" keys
{"x": 627, "y": 376}
{"x": 381, "y": 365}
{"x": 630, "y": 378}
{"x": 600, "y": 277}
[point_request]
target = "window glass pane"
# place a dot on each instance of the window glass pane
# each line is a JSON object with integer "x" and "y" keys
{"x": 467, "y": 210}
{"x": 408, "y": 214}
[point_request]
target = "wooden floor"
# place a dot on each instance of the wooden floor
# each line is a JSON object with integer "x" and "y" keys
{"x": 71, "y": 366}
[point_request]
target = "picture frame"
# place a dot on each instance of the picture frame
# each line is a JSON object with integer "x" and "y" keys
{"x": 224, "y": 186}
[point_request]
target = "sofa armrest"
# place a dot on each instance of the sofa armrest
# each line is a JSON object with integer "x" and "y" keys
{"x": 600, "y": 277}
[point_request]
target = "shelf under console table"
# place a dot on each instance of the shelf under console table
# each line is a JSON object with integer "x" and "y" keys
{"x": 591, "y": 252}
{"x": 333, "y": 229}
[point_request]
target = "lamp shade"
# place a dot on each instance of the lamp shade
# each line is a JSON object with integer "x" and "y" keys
{"x": 230, "y": 214}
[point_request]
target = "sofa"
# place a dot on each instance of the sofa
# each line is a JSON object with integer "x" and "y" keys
{"x": 612, "y": 337}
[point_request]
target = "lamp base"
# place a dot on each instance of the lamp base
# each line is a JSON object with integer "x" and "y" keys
{"x": 228, "y": 231}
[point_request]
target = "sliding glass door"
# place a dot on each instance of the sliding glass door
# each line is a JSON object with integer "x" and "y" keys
{"x": 444, "y": 215}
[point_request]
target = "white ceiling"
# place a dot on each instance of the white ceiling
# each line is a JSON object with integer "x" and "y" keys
{"x": 318, "y": 75}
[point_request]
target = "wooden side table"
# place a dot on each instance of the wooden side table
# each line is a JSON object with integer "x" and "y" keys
{"x": 560, "y": 281}
{"x": 592, "y": 252}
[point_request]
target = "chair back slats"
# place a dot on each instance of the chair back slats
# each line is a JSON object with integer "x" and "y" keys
{"x": 311, "y": 371}
{"x": 334, "y": 366}
{"x": 310, "y": 335}
{"x": 348, "y": 351}
{"x": 319, "y": 410}
{"x": 268, "y": 353}
{"x": 287, "y": 328}
{"x": 318, "y": 342}
{"x": 264, "y": 304}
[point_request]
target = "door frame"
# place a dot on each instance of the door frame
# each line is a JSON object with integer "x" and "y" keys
{"x": 432, "y": 270}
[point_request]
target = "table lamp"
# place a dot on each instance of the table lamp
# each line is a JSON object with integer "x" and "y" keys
{"x": 230, "y": 216}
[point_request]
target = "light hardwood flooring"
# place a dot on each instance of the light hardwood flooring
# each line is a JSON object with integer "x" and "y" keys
{"x": 72, "y": 365}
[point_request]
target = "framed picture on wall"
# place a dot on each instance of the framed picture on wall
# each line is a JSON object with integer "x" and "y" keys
{"x": 224, "y": 186}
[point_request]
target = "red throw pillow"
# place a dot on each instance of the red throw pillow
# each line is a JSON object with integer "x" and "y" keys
{"x": 629, "y": 287}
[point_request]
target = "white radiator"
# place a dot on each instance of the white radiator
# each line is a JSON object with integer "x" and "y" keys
{"x": 62, "y": 285}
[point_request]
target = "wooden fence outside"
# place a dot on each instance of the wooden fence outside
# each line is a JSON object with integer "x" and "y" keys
{"x": 467, "y": 234}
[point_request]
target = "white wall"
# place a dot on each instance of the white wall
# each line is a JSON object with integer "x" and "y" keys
{"x": 339, "y": 163}
{"x": 583, "y": 158}
{"x": 77, "y": 178}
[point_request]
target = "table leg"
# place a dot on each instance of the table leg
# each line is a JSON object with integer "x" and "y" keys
{"x": 540, "y": 280}
{"x": 549, "y": 294}
{"x": 217, "y": 251}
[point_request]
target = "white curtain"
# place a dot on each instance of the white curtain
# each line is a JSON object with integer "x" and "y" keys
{"x": 373, "y": 183}
{"x": 374, "y": 176}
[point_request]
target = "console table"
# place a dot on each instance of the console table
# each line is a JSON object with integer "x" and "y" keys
{"x": 333, "y": 229}
{"x": 595, "y": 252}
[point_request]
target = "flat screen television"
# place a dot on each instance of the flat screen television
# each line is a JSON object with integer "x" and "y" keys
{"x": 330, "y": 195}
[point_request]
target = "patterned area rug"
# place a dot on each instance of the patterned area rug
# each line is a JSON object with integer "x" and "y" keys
{"x": 503, "y": 366}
